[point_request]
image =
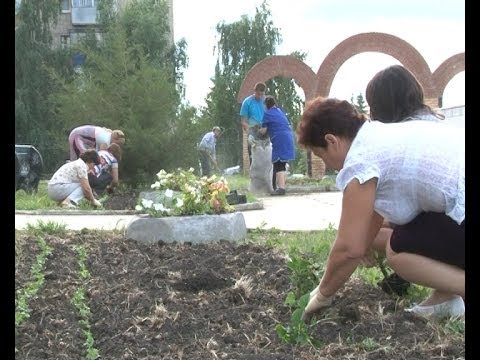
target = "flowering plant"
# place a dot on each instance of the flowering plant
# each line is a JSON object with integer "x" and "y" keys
{"x": 183, "y": 193}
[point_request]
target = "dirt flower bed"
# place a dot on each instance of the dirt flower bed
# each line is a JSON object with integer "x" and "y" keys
{"x": 121, "y": 201}
{"x": 210, "y": 301}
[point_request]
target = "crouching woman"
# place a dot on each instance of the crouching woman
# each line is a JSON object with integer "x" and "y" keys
{"x": 410, "y": 174}
{"x": 69, "y": 184}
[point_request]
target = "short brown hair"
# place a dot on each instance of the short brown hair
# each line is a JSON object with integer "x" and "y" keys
{"x": 269, "y": 101}
{"x": 115, "y": 150}
{"x": 90, "y": 155}
{"x": 323, "y": 116}
{"x": 260, "y": 86}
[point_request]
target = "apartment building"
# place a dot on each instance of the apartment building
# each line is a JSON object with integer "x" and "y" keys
{"x": 76, "y": 16}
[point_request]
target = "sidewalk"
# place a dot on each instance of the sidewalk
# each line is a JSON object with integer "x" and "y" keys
{"x": 302, "y": 212}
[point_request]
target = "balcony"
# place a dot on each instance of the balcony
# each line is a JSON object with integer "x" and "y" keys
{"x": 84, "y": 12}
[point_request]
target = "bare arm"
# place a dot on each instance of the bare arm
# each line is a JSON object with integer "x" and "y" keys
{"x": 244, "y": 122}
{"x": 114, "y": 176}
{"x": 359, "y": 224}
{"x": 87, "y": 190}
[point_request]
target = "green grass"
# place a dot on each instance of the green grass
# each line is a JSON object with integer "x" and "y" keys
{"x": 35, "y": 201}
{"x": 41, "y": 201}
{"x": 238, "y": 182}
{"x": 49, "y": 228}
{"x": 311, "y": 243}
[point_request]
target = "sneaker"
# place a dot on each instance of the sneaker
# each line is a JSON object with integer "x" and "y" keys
{"x": 451, "y": 308}
{"x": 279, "y": 191}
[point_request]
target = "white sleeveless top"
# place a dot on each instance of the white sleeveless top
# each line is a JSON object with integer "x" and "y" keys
{"x": 420, "y": 166}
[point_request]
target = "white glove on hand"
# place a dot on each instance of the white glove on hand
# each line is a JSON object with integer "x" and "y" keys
{"x": 317, "y": 302}
{"x": 96, "y": 203}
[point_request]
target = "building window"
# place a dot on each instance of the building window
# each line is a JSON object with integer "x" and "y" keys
{"x": 83, "y": 3}
{"x": 64, "y": 41}
{"x": 65, "y": 6}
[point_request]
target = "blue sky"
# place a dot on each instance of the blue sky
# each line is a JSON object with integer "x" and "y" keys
{"x": 436, "y": 28}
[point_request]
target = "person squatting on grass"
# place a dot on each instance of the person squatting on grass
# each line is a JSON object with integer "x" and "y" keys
{"x": 409, "y": 174}
{"x": 69, "y": 184}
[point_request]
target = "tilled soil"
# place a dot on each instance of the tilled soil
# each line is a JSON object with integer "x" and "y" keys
{"x": 121, "y": 201}
{"x": 208, "y": 301}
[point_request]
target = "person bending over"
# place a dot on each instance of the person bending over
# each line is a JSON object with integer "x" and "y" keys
{"x": 276, "y": 124}
{"x": 86, "y": 137}
{"x": 207, "y": 151}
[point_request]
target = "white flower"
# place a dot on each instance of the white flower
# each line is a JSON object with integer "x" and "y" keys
{"x": 147, "y": 203}
{"x": 160, "y": 207}
{"x": 191, "y": 170}
{"x": 138, "y": 207}
{"x": 179, "y": 202}
{"x": 155, "y": 185}
{"x": 168, "y": 193}
{"x": 161, "y": 172}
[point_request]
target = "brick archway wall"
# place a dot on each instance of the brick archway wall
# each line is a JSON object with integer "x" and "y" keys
{"x": 447, "y": 70}
{"x": 319, "y": 84}
{"x": 374, "y": 42}
{"x": 278, "y": 65}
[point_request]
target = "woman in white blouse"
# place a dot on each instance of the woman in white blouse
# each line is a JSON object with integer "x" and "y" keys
{"x": 70, "y": 184}
{"x": 410, "y": 174}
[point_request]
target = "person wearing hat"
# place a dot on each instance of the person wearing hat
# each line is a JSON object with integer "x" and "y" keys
{"x": 207, "y": 152}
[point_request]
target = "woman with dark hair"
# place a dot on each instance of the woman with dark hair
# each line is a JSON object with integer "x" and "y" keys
{"x": 276, "y": 124}
{"x": 69, "y": 184}
{"x": 389, "y": 172}
{"x": 395, "y": 95}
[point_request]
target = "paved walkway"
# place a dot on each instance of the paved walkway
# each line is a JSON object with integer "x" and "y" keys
{"x": 302, "y": 212}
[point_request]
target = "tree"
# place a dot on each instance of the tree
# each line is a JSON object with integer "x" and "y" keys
{"x": 131, "y": 81}
{"x": 240, "y": 46}
{"x": 360, "y": 104}
{"x": 144, "y": 22}
{"x": 120, "y": 89}
{"x": 35, "y": 121}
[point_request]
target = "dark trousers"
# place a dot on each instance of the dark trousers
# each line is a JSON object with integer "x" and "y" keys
{"x": 100, "y": 183}
{"x": 205, "y": 163}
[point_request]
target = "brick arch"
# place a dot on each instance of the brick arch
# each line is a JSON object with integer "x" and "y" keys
{"x": 375, "y": 42}
{"x": 447, "y": 70}
{"x": 278, "y": 65}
